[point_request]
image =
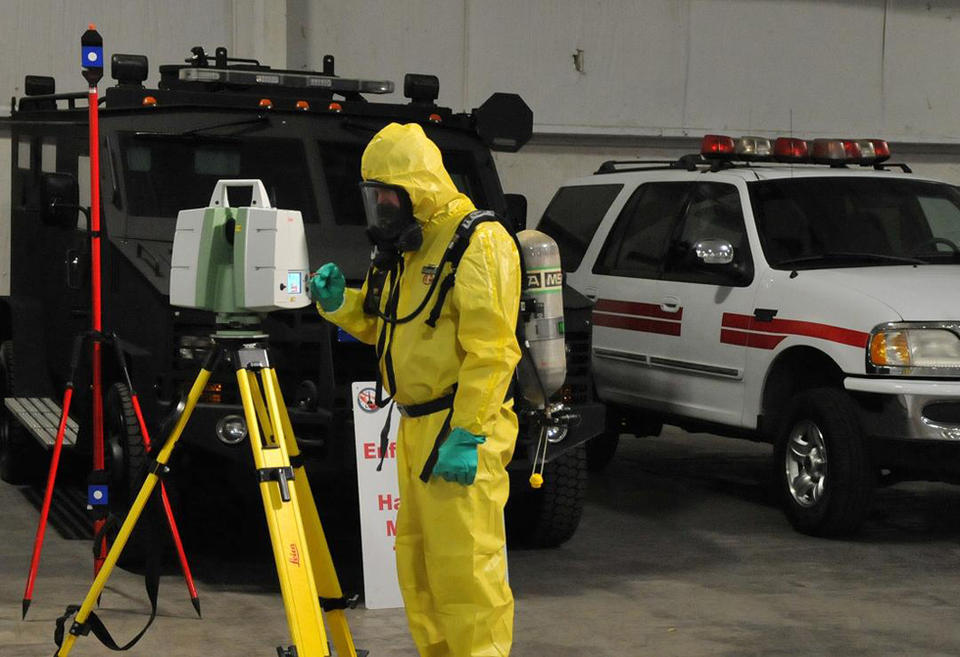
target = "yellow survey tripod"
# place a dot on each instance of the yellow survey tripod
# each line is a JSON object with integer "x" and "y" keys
{"x": 308, "y": 580}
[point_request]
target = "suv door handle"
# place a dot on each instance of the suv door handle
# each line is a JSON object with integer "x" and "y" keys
{"x": 670, "y": 305}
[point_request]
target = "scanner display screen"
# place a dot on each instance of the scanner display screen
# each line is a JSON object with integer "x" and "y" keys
{"x": 294, "y": 282}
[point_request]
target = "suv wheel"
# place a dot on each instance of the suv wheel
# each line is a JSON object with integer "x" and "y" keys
{"x": 601, "y": 449}
{"x": 549, "y": 516}
{"x": 822, "y": 467}
{"x": 21, "y": 458}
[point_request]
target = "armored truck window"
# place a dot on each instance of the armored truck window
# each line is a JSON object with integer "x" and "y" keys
{"x": 341, "y": 171}
{"x": 166, "y": 174}
{"x": 638, "y": 241}
{"x": 849, "y": 222}
{"x": 713, "y": 213}
{"x": 573, "y": 216}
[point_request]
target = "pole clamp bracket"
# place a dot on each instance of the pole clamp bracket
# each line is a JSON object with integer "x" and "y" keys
{"x": 281, "y": 475}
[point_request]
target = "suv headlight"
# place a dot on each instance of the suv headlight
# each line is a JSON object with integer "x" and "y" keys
{"x": 915, "y": 349}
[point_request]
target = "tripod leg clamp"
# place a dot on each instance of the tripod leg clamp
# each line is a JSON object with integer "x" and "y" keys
{"x": 280, "y": 475}
{"x": 159, "y": 469}
{"x": 80, "y": 629}
{"x": 343, "y": 602}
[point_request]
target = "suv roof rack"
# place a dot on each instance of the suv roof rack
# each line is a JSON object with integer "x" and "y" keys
{"x": 689, "y": 162}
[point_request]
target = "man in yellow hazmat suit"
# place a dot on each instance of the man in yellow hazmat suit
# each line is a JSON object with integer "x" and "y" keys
{"x": 457, "y": 428}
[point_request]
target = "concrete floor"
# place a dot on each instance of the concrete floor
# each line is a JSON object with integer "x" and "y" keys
{"x": 680, "y": 552}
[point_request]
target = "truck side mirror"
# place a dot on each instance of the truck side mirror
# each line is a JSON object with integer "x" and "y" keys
{"x": 714, "y": 251}
{"x": 60, "y": 199}
{"x": 517, "y": 210}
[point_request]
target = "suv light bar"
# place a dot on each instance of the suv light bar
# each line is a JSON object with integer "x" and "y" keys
{"x": 835, "y": 152}
{"x": 303, "y": 80}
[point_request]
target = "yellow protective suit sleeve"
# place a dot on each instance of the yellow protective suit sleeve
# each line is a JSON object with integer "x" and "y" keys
{"x": 487, "y": 299}
{"x": 350, "y": 316}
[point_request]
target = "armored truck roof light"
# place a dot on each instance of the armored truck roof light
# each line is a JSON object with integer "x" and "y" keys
{"x": 435, "y": 118}
{"x": 39, "y": 85}
{"x": 129, "y": 70}
{"x": 753, "y": 148}
{"x": 284, "y": 78}
{"x": 149, "y": 101}
{"x": 265, "y": 103}
{"x": 421, "y": 89}
{"x": 335, "y": 107}
{"x": 302, "y": 105}
{"x": 717, "y": 146}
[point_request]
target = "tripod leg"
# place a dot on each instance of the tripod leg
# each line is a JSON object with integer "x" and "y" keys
{"x": 123, "y": 535}
{"x": 47, "y": 498}
{"x": 324, "y": 572}
{"x": 282, "y": 512}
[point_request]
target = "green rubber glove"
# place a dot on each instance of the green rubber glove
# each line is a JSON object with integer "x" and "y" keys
{"x": 457, "y": 457}
{"x": 326, "y": 287}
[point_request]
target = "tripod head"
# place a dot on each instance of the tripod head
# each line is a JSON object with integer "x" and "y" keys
{"x": 239, "y": 262}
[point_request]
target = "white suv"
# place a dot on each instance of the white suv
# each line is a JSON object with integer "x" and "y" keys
{"x": 814, "y": 304}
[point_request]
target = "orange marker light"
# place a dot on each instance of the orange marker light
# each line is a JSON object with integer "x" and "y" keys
{"x": 335, "y": 107}
{"x": 435, "y": 118}
{"x": 266, "y": 103}
{"x": 149, "y": 101}
{"x": 303, "y": 105}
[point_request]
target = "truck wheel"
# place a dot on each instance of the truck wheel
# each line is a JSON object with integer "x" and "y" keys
{"x": 126, "y": 461}
{"x": 21, "y": 458}
{"x": 822, "y": 466}
{"x": 549, "y": 516}
{"x": 601, "y": 449}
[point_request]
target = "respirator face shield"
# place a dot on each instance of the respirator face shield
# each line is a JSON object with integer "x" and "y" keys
{"x": 391, "y": 225}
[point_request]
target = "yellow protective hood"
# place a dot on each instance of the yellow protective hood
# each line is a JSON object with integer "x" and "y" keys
{"x": 403, "y": 155}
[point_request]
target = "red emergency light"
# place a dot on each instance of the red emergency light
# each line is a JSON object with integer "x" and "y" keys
{"x": 789, "y": 149}
{"x": 717, "y": 146}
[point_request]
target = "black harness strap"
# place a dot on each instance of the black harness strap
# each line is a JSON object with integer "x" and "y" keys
{"x": 151, "y": 581}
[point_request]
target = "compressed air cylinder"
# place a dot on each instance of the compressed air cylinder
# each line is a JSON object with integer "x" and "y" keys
{"x": 543, "y": 367}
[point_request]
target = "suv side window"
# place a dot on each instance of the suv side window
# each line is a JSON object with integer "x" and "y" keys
{"x": 573, "y": 216}
{"x": 714, "y": 212}
{"x": 638, "y": 240}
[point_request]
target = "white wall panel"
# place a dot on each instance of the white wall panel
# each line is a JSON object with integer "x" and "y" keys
{"x": 42, "y": 37}
{"x": 922, "y": 70}
{"x": 634, "y": 61}
{"x": 382, "y": 40}
{"x": 758, "y": 66}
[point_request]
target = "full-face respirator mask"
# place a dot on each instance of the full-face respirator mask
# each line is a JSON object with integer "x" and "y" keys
{"x": 391, "y": 226}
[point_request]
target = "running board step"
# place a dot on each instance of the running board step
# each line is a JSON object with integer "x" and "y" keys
{"x": 41, "y": 417}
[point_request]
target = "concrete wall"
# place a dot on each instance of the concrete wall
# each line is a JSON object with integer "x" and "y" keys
{"x": 654, "y": 75}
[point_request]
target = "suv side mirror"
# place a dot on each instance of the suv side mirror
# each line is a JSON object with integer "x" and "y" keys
{"x": 517, "y": 210}
{"x": 714, "y": 251}
{"x": 60, "y": 198}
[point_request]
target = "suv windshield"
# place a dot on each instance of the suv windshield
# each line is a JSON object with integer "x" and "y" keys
{"x": 164, "y": 174}
{"x": 816, "y": 223}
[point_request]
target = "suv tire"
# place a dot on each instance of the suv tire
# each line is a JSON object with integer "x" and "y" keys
{"x": 21, "y": 458}
{"x": 821, "y": 464}
{"x": 601, "y": 449}
{"x": 549, "y": 516}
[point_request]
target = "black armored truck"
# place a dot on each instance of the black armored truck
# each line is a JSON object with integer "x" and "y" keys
{"x": 162, "y": 150}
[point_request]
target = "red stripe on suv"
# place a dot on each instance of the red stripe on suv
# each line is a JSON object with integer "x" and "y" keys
{"x": 784, "y": 327}
{"x": 644, "y": 324}
{"x": 634, "y": 308}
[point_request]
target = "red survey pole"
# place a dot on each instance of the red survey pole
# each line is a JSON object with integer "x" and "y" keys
{"x": 91, "y": 48}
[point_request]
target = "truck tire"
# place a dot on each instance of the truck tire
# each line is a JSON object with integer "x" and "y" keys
{"x": 549, "y": 516}
{"x": 601, "y": 449}
{"x": 821, "y": 464}
{"x": 21, "y": 458}
{"x": 126, "y": 460}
